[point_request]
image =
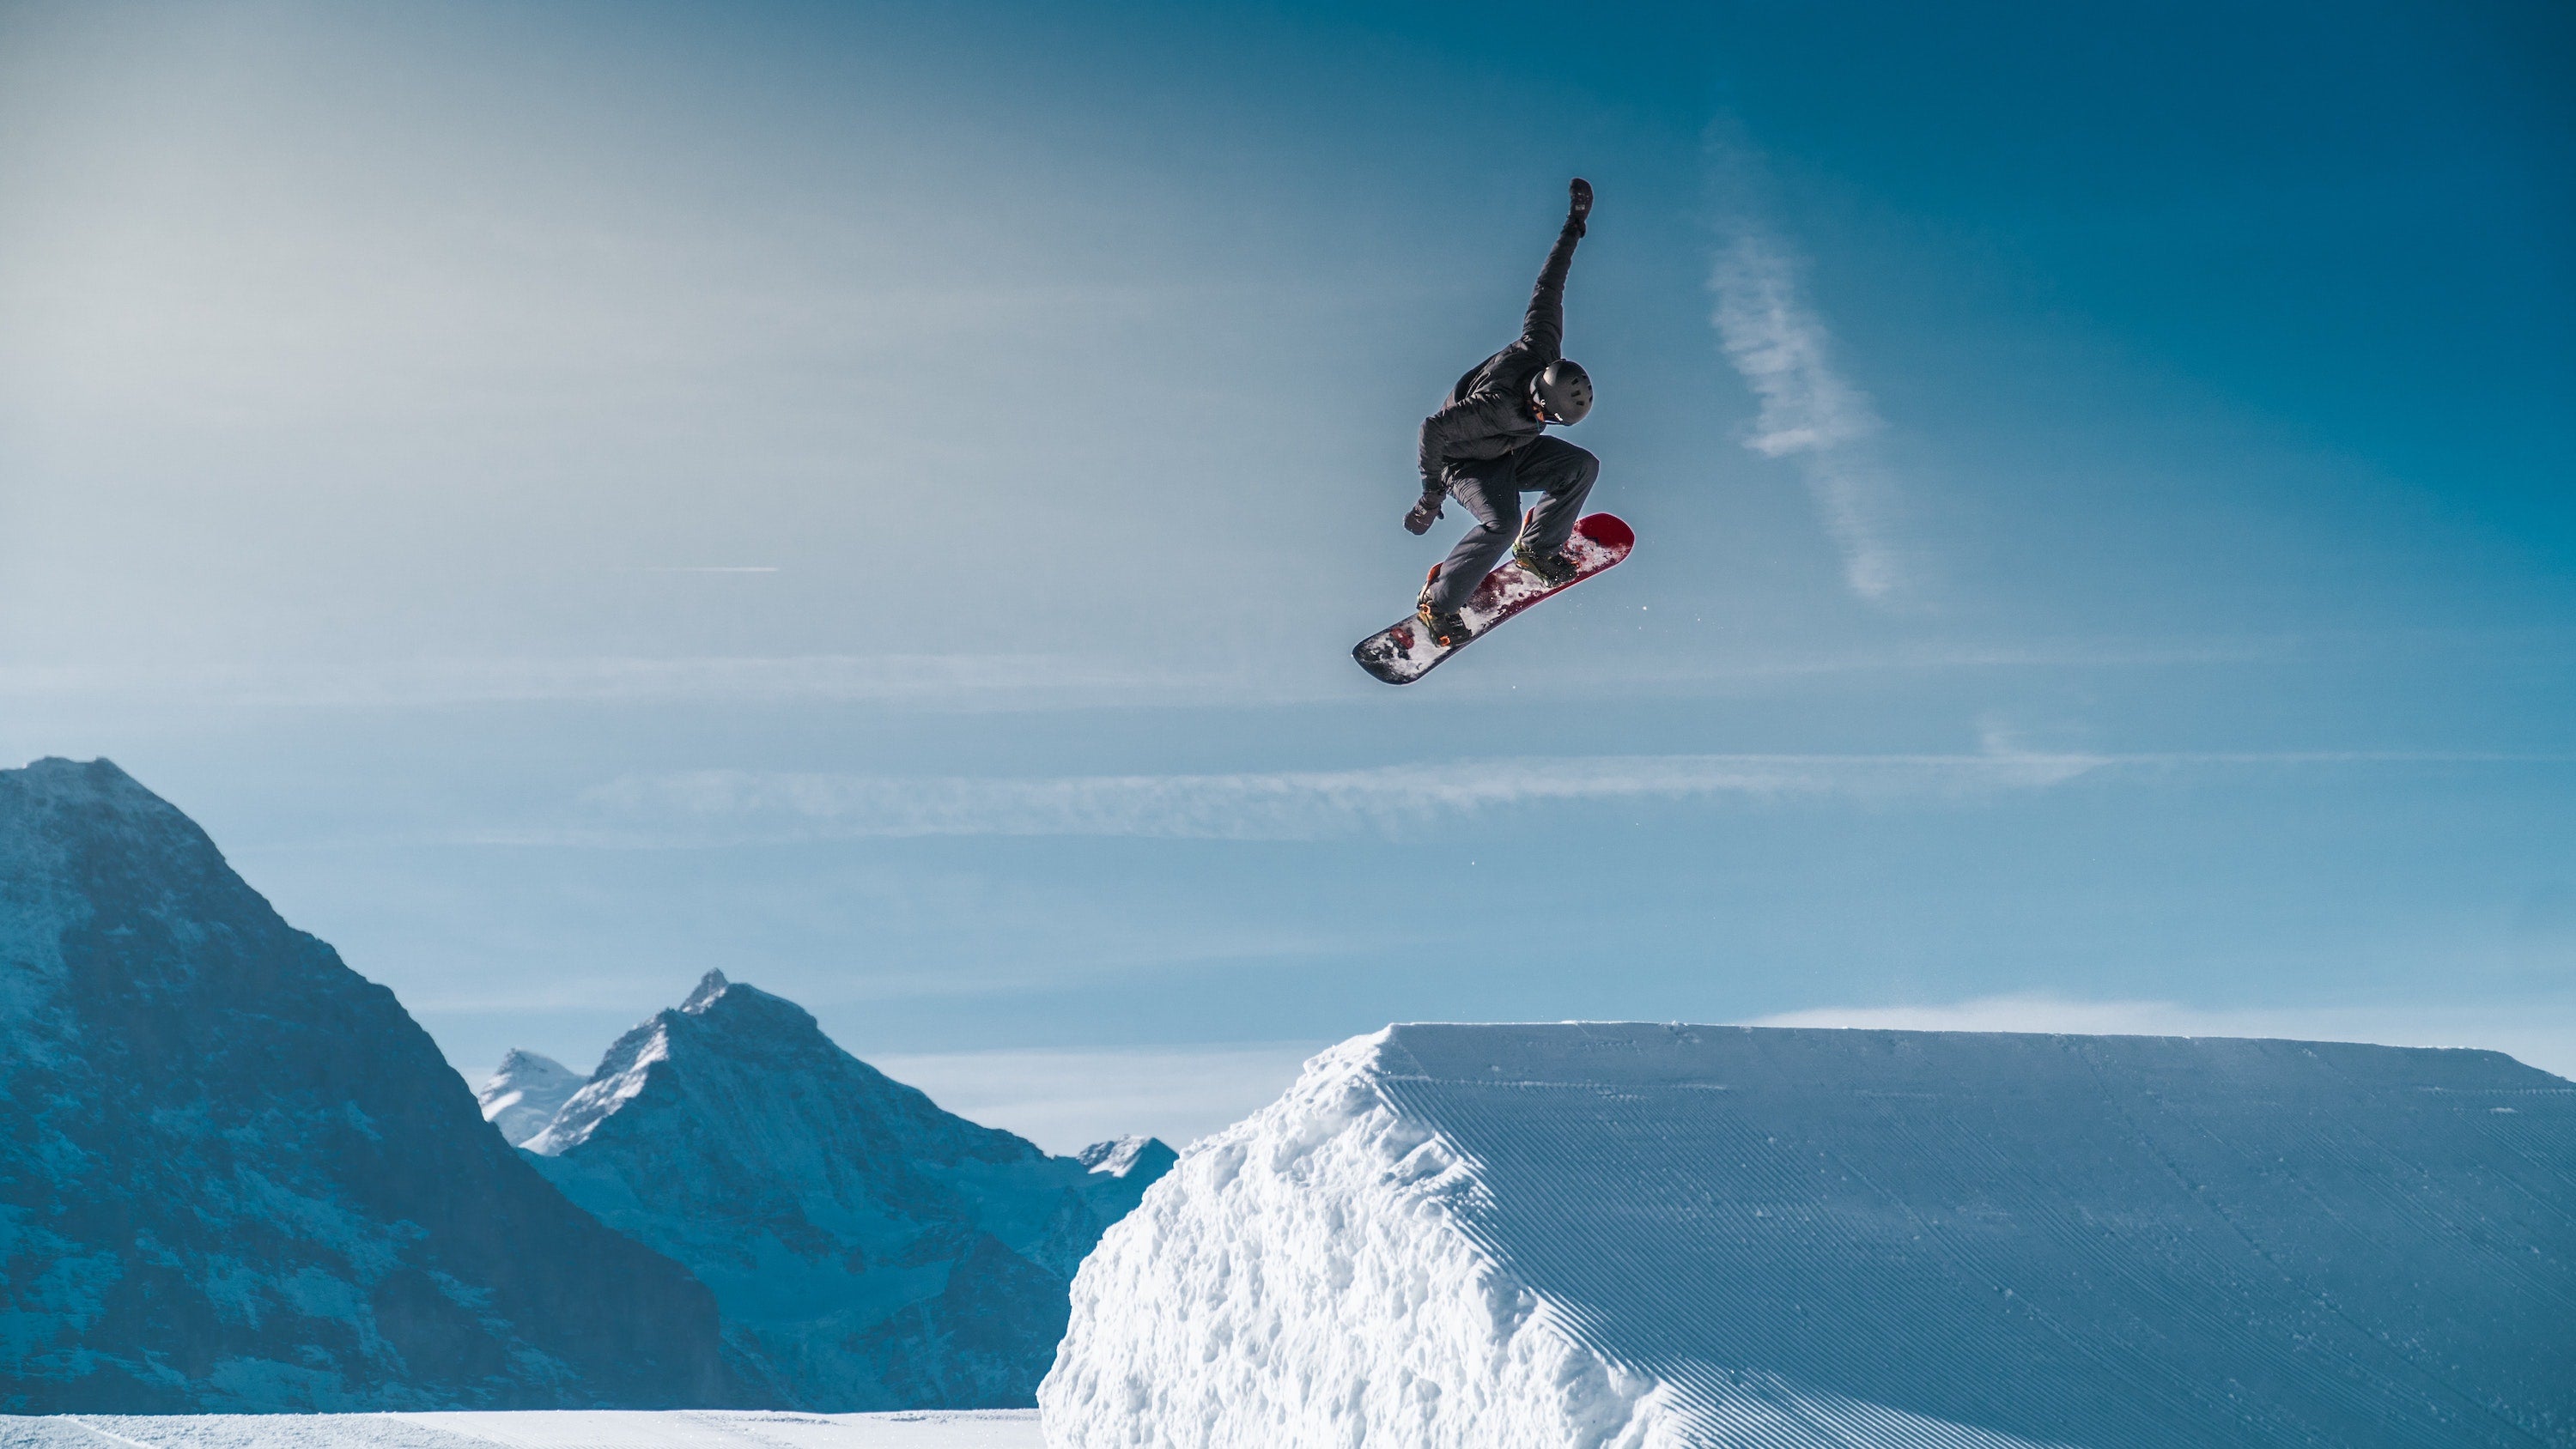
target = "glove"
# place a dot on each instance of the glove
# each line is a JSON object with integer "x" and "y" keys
{"x": 1425, "y": 510}
{"x": 1578, "y": 206}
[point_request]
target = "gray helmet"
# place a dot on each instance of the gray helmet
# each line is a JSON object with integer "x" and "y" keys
{"x": 1563, "y": 392}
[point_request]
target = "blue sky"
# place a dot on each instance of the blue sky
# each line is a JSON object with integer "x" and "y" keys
{"x": 876, "y": 499}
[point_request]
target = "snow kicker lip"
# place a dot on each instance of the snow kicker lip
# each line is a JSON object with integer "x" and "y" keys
{"x": 1616, "y": 1235}
{"x": 1404, "y": 652}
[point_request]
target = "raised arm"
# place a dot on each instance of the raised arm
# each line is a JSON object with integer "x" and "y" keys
{"x": 1543, "y": 330}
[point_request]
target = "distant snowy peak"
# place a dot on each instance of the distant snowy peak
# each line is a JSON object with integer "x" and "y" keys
{"x": 621, "y": 1078}
{"x": 868, "y": 1249}
{"x": 1129, "y": 1156}
{"x": 1121, "y": 1169}
{"x": 711, "y": 988}
{"x": 728, "y": 1046}
{"x": 525, "y": 1093}
{"x": 717, "y": 1008}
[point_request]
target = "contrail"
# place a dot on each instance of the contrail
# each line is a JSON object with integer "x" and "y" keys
{"x": 1810, "y": 413}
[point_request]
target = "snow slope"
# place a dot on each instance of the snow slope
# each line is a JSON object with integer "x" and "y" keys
{"x": 235, "y": 1175}
{"x": 525, "y": 1092}
{"x": 574, "y": 1429}
{"x": 1611, "y": 1234}
{"x": 867, "y": 1250}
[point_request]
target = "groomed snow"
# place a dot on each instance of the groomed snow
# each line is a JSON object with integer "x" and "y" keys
{"x": 1629, "y": 1235}
{"x": 992, "y": 1429}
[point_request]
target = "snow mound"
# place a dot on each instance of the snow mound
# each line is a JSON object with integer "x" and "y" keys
{"x": 525, "y": 1093}
{"x": 1633, "y": 1235}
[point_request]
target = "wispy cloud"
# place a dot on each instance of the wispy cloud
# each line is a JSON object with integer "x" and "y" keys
{"x": 2542, "y": 1033}
{"x": 1810, "y": 413}
{"x": 1057, "y": 681}
{"x": 702, "y": 808}
{"x": 970, "y": 681}
{"x": 716, "y": 806}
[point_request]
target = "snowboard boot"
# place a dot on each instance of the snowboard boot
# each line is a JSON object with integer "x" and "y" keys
{"x": 1552, "y": 568}
{"x": 1446, "y": 626}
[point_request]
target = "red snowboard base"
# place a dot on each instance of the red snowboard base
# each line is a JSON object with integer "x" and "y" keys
{"x": 1404, "y": 651}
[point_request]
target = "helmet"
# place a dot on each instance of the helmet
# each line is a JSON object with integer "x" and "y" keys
{"x": 1563, "y": 391}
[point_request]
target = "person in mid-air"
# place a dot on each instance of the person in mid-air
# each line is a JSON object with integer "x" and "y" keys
{"x": 1488, "y": 446}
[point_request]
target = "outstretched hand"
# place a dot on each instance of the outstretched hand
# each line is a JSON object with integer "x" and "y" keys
{"x": 1578, "y": 204}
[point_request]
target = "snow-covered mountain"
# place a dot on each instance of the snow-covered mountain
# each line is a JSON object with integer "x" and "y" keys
{"x": 867, "y": 1249}
{"x": 1129, "y": 1157}
{"x": 235, "y": 1175}
{"x": 1448, "y": 1237}
{"x": 525, "y": 1092}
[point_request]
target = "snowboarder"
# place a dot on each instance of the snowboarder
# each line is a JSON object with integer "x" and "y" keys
{"x": 1487, "y": 446}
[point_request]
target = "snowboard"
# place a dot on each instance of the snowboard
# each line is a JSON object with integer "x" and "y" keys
{"x": 1404, "y": 651}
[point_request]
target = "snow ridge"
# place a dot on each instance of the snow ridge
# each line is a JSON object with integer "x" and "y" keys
{"x": 621, "y": 1077}
{"x": 1615, "y": 1234}
{"x": 524, "y": 1094}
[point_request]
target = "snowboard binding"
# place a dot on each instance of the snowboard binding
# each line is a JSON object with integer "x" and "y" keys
{"x": 1552, "y": 569}
{"x": 1447, "y": 627}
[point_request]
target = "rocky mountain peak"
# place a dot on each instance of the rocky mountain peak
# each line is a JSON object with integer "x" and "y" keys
{"x": 723, "y": 1048}
{"x": 1129, "y": 1156}
{"x": 97, "y": 787}
{"x": 710, "y": 987}
{"x": 525, "y": 1092}
{"x": 724, "y": 1008}
{"x": 238, "y": 1176}
{"x": 869, "y": 1250}
{"x": 81, "y": 842}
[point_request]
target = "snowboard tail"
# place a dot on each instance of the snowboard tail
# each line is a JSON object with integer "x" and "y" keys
{"x": 1404, "y": 651}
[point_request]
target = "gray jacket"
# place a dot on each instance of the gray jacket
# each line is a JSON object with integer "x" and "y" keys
{"x": 1488, "y": 413}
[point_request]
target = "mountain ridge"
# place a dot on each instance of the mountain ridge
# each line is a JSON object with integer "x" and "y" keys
{"x": 234, "y": 1174}
{"x": 524, "y": 1093}
{"x": 869, "y": 1249}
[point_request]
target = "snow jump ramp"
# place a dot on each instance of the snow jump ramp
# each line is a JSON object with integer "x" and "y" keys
{"x": 1642, "y": 1235}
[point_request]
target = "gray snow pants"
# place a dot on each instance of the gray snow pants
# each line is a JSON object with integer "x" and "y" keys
{"x": 1491, "y": 488}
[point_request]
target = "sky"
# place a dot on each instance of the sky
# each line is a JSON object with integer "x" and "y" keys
{"x": 877, "y": 499}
